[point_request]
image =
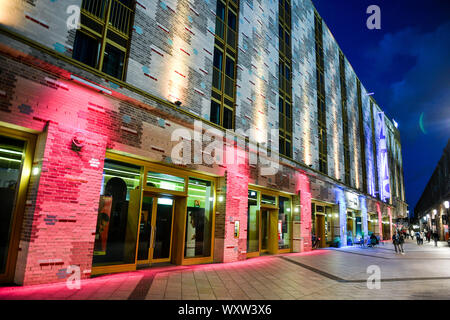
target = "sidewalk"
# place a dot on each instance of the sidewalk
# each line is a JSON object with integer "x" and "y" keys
{"x": 423, "y": 272}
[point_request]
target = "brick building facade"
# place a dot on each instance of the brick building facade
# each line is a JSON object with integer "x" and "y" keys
{"x": 97, "y": 138}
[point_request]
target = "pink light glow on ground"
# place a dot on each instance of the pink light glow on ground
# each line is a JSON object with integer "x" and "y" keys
{"x": 115, "y": 282}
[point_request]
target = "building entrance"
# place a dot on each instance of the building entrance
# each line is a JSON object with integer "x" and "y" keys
{"x": 269, "y": 223}
{"x": 16, "y": 154}
{"x": 156, "y": 229}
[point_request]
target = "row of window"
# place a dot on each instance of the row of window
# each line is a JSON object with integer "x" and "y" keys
{"x": 285, "y": 78}
{"x": 102, "y": 42}
{"x": 224, "y": 64}
{"x": 361, "y": 137}
{"x": 344, "y": 118}
{"x": 321, "y": 105}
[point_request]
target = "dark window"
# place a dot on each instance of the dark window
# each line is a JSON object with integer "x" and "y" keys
{"x": 113, "y": 61}
{"x": 85, "y": 49}
{"x": 218, "y": 58}
{"x": 220, "y": 12}
{"x": 231, "y": 20}
{"x": 227, "y": 118}
{"x": 215, "y": 112}
{"x": 229, "y": 69}
{"x": 109, "y": 23}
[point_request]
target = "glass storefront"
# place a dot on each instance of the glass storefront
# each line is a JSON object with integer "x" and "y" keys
{"x": 322, "y": 225}
{"x": 118, "y": 214}
{"x": 136, "y": 225}
{"x": 269, "y": 222}
{"x": 284, "y": 223}
{"x": 12, "y": 154}
{"x": 200, "y": 206}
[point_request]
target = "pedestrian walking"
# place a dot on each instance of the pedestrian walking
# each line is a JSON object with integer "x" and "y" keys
{"x": 429, "y": 236}
{"x": 401, "y": 241}
{"x": 418, "y": 238}
{"x": 422, "y": 236}
{"x": 435, "y": 237}
{"x": 412, "y": 234}
{"x": 396, "y": 241}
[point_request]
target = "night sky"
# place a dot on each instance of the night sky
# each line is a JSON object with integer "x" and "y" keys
{"x": 407, "y": 65}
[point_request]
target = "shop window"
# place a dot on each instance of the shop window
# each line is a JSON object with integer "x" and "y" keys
{"x": 284, "y": 223}
{"x": 200, "y": 204}
{"x": 165, "y": 181}
{"x": 252, "y": 222}
{"x": 11, "y": 161}
{"x": 118, "y": 214}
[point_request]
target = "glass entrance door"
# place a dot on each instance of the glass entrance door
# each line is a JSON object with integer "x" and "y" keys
{"x": 155, "y": 233}
{"x": 265, "y": 222}
{"x": 12, "y": 154}
{"x": 16, "y": 152}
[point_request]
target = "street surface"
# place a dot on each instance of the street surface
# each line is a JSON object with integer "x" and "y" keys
{"x": 423, "y": 272}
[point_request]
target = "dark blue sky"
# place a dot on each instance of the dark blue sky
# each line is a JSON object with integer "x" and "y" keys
{"x": 407, "y": 65}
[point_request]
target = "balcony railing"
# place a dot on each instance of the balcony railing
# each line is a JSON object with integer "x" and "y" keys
{"x": 119, "y": 16}
{"x": 96, "y": 8}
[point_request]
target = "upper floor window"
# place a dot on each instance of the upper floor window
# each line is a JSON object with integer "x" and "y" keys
{"x": 102, "y": 41}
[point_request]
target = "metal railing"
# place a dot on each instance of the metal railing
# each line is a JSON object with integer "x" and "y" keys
{"x": 119, "y": 15}
{"x": 95, "y": 7}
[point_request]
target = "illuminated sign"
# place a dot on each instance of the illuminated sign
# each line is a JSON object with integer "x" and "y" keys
{"x": 383, "y": 158}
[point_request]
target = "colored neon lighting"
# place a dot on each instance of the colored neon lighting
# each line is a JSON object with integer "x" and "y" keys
{"x": 90, "y": 84}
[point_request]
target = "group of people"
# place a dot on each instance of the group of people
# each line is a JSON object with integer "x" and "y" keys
{"x": 427, "y": 235}
{"x": 398, "y": 239}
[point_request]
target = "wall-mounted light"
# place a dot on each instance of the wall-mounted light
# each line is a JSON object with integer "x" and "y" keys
{"x": 395, "y": 123}
{"x": 296, "y": 209}
{"x": 35, "y": 171}
{"x": 90, "y": 84}
{"x": 446, "y": 204}
{"x": 178, "y": 103}
{"x": 221, "y": 199}
{"x": 336, "y": 215}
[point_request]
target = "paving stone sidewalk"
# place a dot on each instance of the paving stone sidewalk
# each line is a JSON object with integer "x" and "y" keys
{"x": 423, "y": 272}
